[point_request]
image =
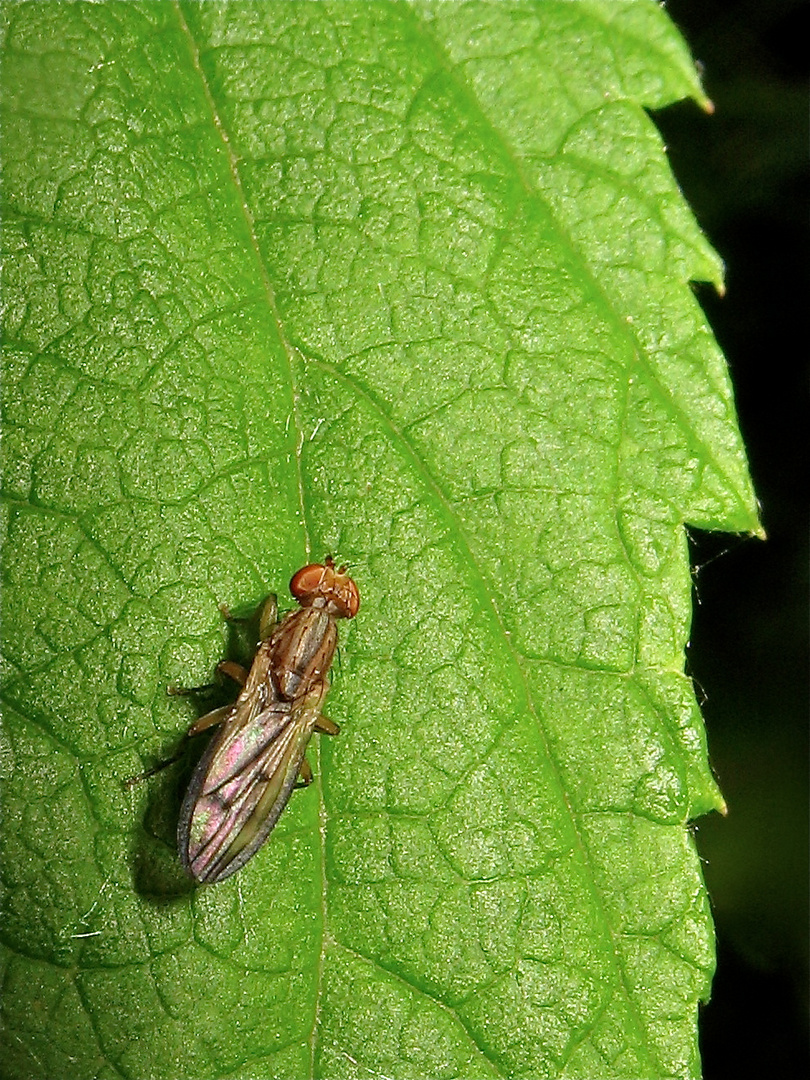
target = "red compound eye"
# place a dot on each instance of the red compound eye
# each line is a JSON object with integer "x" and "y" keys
{"x": 307, "y": 580}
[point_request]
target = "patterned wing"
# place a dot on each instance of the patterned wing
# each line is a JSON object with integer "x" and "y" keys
{"x": 241, "y": 784}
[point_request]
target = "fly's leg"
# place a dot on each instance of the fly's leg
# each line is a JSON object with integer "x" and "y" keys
{"x": 326, "y": 726}
{"x": 268, "y": 617}
{"x": 226, "y": 667}
{"x": 202, "y": 723}
{"x": 267, "y": 613}
{"x": 185, "y": 691}
{"x": 233, "y": 671}
{"x": 215, "y": 716}
{"x": 304, "y": 775}
{"x": 131, "y": 781}
{"x": 209, "y": 719}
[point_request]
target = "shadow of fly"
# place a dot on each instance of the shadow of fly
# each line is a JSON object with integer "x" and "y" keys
{"x": 251, "y": 766}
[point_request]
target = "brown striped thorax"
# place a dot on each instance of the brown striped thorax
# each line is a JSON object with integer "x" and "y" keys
{"x": 250, "y": 768}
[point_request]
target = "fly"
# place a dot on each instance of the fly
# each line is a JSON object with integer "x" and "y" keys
{"x": 250, "y": 768}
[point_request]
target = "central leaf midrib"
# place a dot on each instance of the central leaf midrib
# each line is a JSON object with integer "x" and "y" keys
{"x": 269, "y": 293}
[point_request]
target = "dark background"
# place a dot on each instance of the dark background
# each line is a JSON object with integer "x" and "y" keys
{"x": 745, "y": 172}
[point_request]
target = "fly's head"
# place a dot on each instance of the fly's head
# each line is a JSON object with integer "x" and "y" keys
{"x": 321, "y": 585}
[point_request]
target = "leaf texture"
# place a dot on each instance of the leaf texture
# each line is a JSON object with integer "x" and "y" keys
{"x": 406, "y": 283}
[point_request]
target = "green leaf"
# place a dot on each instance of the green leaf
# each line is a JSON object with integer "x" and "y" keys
{"x": 406, "y": 283}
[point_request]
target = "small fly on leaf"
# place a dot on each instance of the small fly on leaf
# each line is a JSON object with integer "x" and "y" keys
{"x": 249, "y": 769}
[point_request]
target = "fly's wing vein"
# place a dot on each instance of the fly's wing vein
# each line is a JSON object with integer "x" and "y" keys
{"x": 231, "y": 817}
{"x": 241, "y": 743}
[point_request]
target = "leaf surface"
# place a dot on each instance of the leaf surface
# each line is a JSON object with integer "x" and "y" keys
{"x": 406, "y": 283}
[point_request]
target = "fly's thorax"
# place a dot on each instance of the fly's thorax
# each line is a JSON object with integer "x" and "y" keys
{"x": 302, "y": 650}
